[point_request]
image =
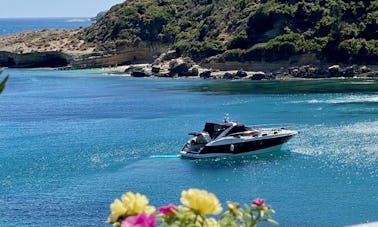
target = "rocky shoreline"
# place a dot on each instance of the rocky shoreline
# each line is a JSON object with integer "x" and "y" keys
{"x": 65, "y": 49}
{"x": 169, "y": 65}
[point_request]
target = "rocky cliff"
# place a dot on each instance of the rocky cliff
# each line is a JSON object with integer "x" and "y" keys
{"x": 68, "y": 48}
{"x": 45, "y": 48}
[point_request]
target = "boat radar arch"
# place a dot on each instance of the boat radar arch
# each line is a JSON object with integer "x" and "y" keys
{"x": 226, "y": 118}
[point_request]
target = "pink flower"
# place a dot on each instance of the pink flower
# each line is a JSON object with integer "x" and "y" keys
{"x": 168, "y": 210}
{"x": 258, "y": 202}
{"x": 141, "y": 220}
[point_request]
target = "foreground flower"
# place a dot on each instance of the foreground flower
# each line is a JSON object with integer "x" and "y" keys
{"x": 136, "y": 204}
{"x": 117, "y": 210}
{"x": 132, "y": 210}
{"x": 201, "y": 201}
{"x": 211, "y": 222}
{"x": 258, "y": 202}
{"x": 141, "y": 220}
{"x": 233, "y": 208}
{"x": 130, "y": 205}
{"x": 168, "y": 210}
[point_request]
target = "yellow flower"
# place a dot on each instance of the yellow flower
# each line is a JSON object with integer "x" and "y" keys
{"x": 211, "y": 222}
{"x": 117, "y": 210}
{"x": 201, "y": 201}
{"x": 136, "y": 204}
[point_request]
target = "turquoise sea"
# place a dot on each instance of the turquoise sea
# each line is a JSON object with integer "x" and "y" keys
{"x": 73, "y": 141}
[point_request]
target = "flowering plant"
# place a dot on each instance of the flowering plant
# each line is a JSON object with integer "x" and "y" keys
{"x": 196, "y": 206}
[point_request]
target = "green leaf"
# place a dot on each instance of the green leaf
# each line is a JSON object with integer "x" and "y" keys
{"x": 271, "y": 221}
{"x": 2, "y": 84}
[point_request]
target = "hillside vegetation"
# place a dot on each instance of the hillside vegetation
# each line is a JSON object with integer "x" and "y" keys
{"x": 245, "y": 30}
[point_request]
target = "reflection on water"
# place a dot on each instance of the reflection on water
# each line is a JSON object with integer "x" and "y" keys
{"x": 237, "y": 161}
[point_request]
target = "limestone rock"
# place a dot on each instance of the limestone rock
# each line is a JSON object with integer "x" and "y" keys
{"x": 139, "y": 73}
{"x": 141, "y": 70}
{"x": 347, "y": 72}
{"x": 180, "y": 66}
{"x": 205, "y": 74}
{"x": 334, "y": 71}
{"x": 241, "y": 74}
{"x": 228, "y": 76}
{"x": 364, "y": 69}
{"x": 259, "y": 76}
{"x": 193, "y": 71}
{"x": 155, "y": 68}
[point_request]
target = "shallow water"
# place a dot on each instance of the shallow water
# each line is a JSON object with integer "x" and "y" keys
{"x": 73, "y": 141}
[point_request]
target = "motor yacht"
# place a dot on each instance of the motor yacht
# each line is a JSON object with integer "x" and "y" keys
{"x": 230, "y": 138}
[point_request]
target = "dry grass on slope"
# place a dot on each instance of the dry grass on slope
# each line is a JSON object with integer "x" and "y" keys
{"x": 63, "y": 40}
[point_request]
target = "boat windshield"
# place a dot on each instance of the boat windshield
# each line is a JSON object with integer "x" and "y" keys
{"x": 214, "y": 129}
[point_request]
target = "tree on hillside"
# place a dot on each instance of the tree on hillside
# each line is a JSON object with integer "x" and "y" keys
{"x": 237, "y": 30}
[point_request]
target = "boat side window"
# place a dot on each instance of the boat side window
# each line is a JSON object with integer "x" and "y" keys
{"x": 236, "y": 129}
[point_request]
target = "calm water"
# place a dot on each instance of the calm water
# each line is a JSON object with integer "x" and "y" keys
{"x": 21, "y": 24}
{"x": 73, "y": 141}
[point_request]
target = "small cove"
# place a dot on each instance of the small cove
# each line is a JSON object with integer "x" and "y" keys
{"x": 73, "y": 141}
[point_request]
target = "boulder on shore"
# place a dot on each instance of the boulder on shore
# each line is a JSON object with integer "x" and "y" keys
{"x": 205, "y": 74}
{"x": 141, "y": 70}
{"x": 180, "y": 66}
{"x": 140, "y": 73}
{"x": 186, "y": 67}
{"x": 334, "y": 71}
{"x": 259, "y": 76}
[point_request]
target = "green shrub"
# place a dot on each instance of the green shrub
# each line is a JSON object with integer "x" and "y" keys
{"x": 307, "y": 14}
{"x": 281, "y": 47}
{"x": 240, "y": 40}
{"x": 242, "y": 29}
{"x": 266, "y": 15}
{"x": 370, "y": 30}
{"x": 360, "y": 49}
{"x": 234, "y": 55}
{"x": 324, "y": 26}
{"x": 348, "y": 31}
